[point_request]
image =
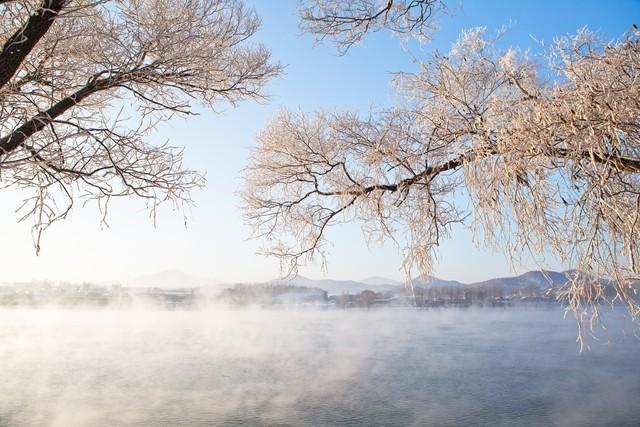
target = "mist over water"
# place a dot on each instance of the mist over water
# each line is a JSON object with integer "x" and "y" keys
{"x": 297, "y": 368}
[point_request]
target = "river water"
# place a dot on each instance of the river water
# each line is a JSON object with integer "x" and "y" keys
{"x": 313, "y": 368}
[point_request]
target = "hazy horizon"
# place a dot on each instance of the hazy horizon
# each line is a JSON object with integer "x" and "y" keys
{"x": 178, "y": 278}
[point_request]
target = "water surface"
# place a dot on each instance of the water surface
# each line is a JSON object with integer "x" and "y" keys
{"x": 313, "y": 368}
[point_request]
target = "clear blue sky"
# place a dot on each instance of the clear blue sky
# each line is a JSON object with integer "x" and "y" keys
{"x": 214, "y": 243}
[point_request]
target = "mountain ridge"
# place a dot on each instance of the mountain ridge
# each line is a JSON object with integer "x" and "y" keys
{"x": 535, "y": 278}
{"x": 172, "y": 278}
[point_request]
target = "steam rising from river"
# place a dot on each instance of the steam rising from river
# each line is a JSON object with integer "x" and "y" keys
{"x": 253, "y": 367}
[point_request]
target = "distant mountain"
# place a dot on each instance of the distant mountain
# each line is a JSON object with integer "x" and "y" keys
{"x": 171, "y": 279}
{"x": 336, "y": 287}
{"x": 538, "y": 279}
{"x": 377, "y": 281}
{"x": 431, "y": 281}
{"x": 535, "y": 278}
{"x": 179, "y": 279}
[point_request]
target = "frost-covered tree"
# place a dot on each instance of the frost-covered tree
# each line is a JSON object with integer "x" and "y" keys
{"x": 347, "y": 22}
{"x": 84, "y": 82}
{"x": 532, "y": 164}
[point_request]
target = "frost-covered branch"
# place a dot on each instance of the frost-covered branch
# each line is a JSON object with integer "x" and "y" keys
{"x": 87, "y": 82}
{"x": 347, "y": 22}
{"x": 543, "y": 167}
